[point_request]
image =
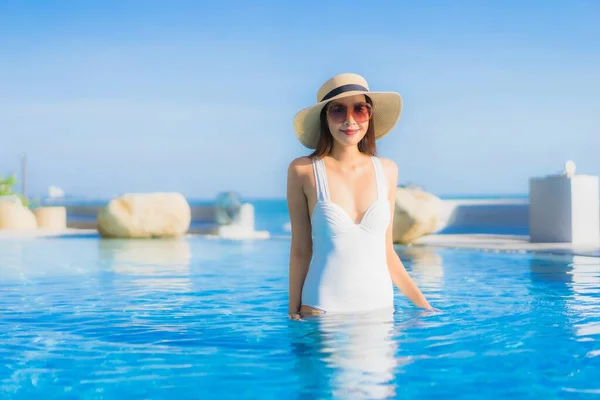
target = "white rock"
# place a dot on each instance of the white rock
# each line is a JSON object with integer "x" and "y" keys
{"x": 417, "y": 213}
{"x": 14, "y": 216}
{"x": 145, "y": 215}
{"x": 11, "y": 198}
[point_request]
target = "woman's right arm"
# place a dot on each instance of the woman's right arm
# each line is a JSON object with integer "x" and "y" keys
{"x": 301, "y": 244}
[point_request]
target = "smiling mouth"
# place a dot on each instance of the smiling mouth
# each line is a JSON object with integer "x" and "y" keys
{"x": 349, "y": 132}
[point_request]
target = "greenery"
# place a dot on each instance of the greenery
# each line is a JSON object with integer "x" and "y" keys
{"x": 6, "y": 189}
{"x": 7, "y": 184}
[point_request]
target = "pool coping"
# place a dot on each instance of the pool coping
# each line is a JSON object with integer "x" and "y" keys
{"x": 488, "y": 242}
{"x": 503, "y": 242}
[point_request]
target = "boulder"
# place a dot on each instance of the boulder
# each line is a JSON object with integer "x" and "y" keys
{"x": 16, "y": 217}
{"x": 145, "y": 215}
{"x": 10, "y": 198}
{"x": 417, "y": 213}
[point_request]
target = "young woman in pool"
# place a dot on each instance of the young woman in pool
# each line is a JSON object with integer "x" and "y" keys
{"x": 341, "y": 203}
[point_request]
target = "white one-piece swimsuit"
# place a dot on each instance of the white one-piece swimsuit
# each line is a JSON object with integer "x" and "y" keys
{"x": 348, "y": 271}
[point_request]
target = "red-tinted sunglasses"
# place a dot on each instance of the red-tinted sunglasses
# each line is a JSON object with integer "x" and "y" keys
{"x": 361, "y": 112}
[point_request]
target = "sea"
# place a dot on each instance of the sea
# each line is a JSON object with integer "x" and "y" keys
{"x": 271, "y": 214}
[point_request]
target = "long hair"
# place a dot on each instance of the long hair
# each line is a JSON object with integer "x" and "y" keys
{"x": 367, "y": 144}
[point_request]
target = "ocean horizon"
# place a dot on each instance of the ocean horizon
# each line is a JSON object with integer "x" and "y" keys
{"x": 271, "y": 214}
{"x": 73, "y": 200}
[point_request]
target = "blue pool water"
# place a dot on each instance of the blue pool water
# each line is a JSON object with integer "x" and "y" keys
{"x": 83, "y": 318}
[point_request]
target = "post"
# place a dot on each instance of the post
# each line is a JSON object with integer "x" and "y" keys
{"x": 24, "y": 175}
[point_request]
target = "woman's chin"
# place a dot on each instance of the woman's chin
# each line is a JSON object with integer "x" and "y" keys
{"x": 348, "y": 140}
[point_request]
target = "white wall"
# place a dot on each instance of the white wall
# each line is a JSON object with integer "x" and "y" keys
{"x": 485, "y": 216}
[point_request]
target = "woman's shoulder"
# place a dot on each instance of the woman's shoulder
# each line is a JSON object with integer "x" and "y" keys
{"x": 388, "y": 164}
{"x": 390, "y": 168}
{"x": 300, "y": 166}
{"x": 301, "y": 162}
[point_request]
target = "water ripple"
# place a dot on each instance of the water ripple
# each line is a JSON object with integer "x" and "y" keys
{"x": 207, "y": 319}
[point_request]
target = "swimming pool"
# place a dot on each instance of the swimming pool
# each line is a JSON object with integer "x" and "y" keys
{"x": 206, "y": 318}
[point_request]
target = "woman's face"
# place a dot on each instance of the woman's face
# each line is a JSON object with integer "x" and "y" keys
{"x": 348, "y": 119}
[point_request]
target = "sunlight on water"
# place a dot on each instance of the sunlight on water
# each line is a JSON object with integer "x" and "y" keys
{"x": 199, "y": 318}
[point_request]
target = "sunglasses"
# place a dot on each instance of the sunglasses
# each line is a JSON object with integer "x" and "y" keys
{"x": 361, "y": 112}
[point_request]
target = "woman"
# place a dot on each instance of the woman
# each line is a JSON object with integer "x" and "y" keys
{"x": 341, "y": 203}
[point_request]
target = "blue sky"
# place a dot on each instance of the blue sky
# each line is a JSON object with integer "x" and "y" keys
{"x": 134, "y": 96}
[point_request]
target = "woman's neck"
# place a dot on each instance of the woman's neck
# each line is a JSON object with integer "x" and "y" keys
{"x": 346, "y": 155}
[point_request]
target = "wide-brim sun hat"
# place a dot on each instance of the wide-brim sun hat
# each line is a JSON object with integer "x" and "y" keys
{"x": 387, "y": 107}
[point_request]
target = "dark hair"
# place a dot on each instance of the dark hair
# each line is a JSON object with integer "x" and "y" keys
{"x": 367, "y": 144}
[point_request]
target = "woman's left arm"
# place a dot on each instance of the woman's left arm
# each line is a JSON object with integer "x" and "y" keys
{"x": 398, "y": 273}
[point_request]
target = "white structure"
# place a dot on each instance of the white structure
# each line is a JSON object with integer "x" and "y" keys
{"x": 242, "y": 226}
{"x": 565, "y": 208}
{"x": 54, "y": 192}
{"x": 569, "y": 168}
{"x": 53, "y": 218}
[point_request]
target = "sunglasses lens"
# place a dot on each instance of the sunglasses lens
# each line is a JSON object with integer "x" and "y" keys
{"x": 361, "y": 112}
{"x": 338, "y": 113}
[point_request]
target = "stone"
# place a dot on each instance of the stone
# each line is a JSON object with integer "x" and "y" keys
{"x": 51, "y": 217}
{"x": 14, "y": 216}
{"x": 417, "y": 213}
{"x": 11, "y": 198}
{"x": 145, "y": 215}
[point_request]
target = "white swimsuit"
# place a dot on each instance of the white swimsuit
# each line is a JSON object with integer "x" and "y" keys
{"x": 348, "y": 271}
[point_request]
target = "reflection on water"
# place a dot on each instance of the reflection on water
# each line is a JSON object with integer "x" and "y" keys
{"x": 358, "y": 355}
{"x": 574, "y": 283}
{"x": 29, "y": 260}
{"x": 585, "y": 273}
{"x": 578, "y": 274}
{"x": 352, "y": 354}
{"x": 584, "y": 305}
{"x": 426, "y": 266}
{"x": 12, "y": 261}
{"x": 158, "y": 264}
{"x": 118, "y": 317}
{"x": 551, "y": 269}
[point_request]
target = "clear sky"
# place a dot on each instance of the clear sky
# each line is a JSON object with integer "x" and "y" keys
{"x": 198, "y": 97}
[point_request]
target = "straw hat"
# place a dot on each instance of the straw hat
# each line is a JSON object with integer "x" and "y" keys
{"x": 387, "y": 107}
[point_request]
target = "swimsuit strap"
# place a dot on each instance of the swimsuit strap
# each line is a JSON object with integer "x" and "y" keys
{"x": 321, "y": 180}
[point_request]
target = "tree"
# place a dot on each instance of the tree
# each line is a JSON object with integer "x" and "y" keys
{"x": 7, "y": 184}
{"x": 6, "y": 189}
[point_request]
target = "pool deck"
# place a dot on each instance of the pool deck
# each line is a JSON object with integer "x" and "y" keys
{"x": 486, "y": 242}
{"x": 40, "y": 233}
{"x": 509, "y": 243}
